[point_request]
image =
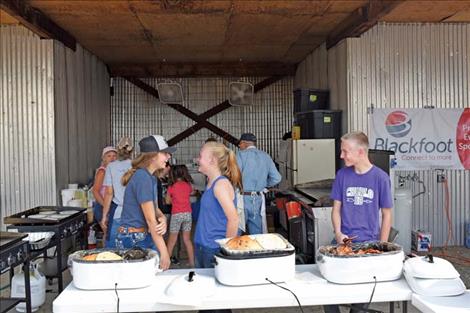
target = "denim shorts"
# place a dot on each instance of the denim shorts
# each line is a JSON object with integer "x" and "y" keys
{"x": 126, "y": 240}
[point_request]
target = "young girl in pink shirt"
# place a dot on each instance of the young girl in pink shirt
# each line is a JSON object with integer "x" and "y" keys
{"x": 178, "y": 194}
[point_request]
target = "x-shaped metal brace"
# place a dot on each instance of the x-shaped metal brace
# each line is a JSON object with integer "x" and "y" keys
{"x": 201, "y": 119}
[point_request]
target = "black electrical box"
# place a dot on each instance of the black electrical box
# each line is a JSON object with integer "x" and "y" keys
{"x": 311, "y": 99}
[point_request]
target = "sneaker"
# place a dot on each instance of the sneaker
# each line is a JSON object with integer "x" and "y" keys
{"x": 174, "y": 260}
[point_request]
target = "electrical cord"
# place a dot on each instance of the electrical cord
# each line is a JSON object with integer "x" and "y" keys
{"x": 298, "y": 302}
{"x": 373, "y": 291}
{"x": 117, "y": 295}
{"x": 421, "y": 192}
{"x": 364, "y": 309}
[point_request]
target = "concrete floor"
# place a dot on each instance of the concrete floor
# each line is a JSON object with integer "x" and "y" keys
{"x": 459, "y": 256}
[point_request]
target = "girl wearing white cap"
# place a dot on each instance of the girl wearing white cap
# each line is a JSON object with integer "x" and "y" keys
{"x": 142, "y": 222}
{"x": 114, "y": 191}
{"x": 108, "y": 155}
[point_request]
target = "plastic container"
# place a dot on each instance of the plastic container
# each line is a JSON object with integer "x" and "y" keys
{"x": 293, "y": 209}
{"x": 67, "y": 195}
{"x": 311, "y": 99}
{"x": 295, "y": 132}
{"x": 319, "y": 124}
{"x": 281, "y": 203}
{"x": 38, "y": 289}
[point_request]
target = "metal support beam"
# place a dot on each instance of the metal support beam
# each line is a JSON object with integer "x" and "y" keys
{"x": 201, "y": 119}
{"x": 231, "y": 69}
{"x": 37, "y": 22}
{"x": 186, "y": 112}
{"x": 360, "y": 20}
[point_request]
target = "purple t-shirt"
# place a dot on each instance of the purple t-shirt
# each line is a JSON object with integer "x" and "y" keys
{"x": 362, "y": 196}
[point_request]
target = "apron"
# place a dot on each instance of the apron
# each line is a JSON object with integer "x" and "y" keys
{"x": 241, "y": 211}
{"x": 264, "y": 223}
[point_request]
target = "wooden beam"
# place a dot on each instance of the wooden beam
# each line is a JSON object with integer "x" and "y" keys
{"x": 233, "y": 69}
{"x": 37, "y": 22}
{"x": 361, "y": 20}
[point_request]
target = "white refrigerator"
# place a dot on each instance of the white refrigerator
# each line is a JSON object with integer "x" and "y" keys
{"x": 306, "y": 160}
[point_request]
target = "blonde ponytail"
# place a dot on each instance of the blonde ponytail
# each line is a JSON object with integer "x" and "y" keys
{"x": 128, "y": 175}
{"x": 141, "y": 161}
{"x": 233, "y": 171}
{"x": 227, "y": 162}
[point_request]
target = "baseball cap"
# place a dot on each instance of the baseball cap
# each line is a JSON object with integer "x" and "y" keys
{"x": 125, "y": 143}
{"x": 108, "y": 149}
{"x": 248, "y": 137}
{"x": 155, "y": 143}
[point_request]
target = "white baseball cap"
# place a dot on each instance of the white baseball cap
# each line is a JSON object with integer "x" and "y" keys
{"x": 108, "y": 149}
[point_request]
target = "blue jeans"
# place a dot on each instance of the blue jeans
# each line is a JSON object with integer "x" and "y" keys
{"x": 113, "y": 227}
{"x": 98, "y": 215}
{"x": 204, "y": 256}
{"x": 97, "y": 212}
{"x": 252, "y": 206}
{"x": 126, "y": 240}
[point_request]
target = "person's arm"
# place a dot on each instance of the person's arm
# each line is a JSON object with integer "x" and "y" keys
{"x": 108, "y": 197}
{"x": 150, "y": 217}
{"x": 336, "y": 220}
{"x": 167, "y": 198}
{"x": 274, "y": 177}
{"x": 99, "y": 177}
{"x": 386, "y": 224}
{"x": 224, "y": 193}
{"x": 162, "y": 225}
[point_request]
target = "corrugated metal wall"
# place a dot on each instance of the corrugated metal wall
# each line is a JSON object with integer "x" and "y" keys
{"x": 313, "y": 71}
{"x": 27, "y": 154}
{"x": 82, "y": 113}
{"x": 326, "y": 69}
{"x": 137, "y": 114}
{"x": 413, "y": 66}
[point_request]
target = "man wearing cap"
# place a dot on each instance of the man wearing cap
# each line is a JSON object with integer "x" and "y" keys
{"x": 258, "y": 173}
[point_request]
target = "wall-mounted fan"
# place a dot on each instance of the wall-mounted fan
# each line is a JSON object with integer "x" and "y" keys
{"x": 170, "y": 93}
{"x": 241, "y": 94}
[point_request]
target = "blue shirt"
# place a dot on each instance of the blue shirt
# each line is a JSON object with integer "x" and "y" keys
{"x": 212, "y": 221}
{"x": 114, "y": 172}
{"x": 142, "y": 187}
{"x": 362, "y": 196}
{"x": 258, "y": 169}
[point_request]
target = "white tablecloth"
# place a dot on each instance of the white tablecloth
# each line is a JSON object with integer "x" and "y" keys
{"x": 308, "y": 285}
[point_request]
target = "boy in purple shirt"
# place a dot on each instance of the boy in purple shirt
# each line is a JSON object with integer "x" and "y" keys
{"x": 359, "y": 192}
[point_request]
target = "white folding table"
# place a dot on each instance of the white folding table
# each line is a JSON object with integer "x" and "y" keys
{"x": 455, "y": 304}
{"x": 309, "y": 286}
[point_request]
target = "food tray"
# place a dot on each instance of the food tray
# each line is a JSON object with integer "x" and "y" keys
{"x": 39, "y": 240}
{"x": 387, "y": 248}
{"x": 78, "y": 256}
{"x": 264, "y": 252}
